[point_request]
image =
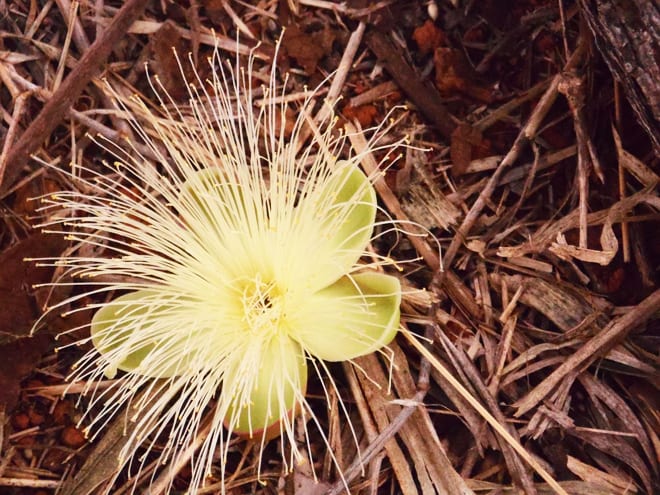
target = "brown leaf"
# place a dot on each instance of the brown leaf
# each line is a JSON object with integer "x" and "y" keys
{"x": 304, "y": 482}
{"x": 364, "y": 114}
{"x": 429, "y": 37}
{"x": 308, "y": 48}
{"x": 450, "y": 70}
{"x": 19, "y": 307}
{"x": 215, "y": 11}
{"x": 163, "y": 44}
{"x": 463, "y": 140}
{"x": 19, "y": 358}
{"x": 453, "y": 75}
{"x": 23, "y": 204}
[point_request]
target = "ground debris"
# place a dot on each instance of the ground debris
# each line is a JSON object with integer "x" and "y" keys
{"x": 530, "y": 209}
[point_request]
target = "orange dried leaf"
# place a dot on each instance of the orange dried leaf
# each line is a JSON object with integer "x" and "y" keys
{"x": 364, "y": 114}
{"x": 163, "y": 43}
{"x": 429, "y": 37}
{"x": 73, "y": 437}
{"x": 463, "y": 141}
{"x": 308, "y": 48}
{"x": 453, "y": 74}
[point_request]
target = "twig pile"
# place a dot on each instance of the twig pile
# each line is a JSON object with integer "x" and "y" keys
{"x": 539, "y": 315}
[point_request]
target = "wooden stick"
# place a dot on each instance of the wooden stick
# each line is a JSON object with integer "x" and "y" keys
{"x": 425, "y": 97}
{"x": 593, "y": 349}
{"x": 524, "y": 137}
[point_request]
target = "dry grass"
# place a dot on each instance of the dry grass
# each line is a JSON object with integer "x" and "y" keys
{"x": 529, "y": 360}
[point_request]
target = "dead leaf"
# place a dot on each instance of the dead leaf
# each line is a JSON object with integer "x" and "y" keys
{"x": 364, "y": 114}
{"x": 544, "y": 237}
{"x": 23, "y": 205}
{"x": 565, "y": 308}
{"x": 428, "y": 37}
{"x": 453, "y": 75}
{"x": 164, "y": 43}
{"x": 19, "y": 306}
{"x": 286, "y": 128}
{"x": 19, "y": 358}
{"x": 215, "y": 11}
{"x": 307, "y": 48}
{"x": 600, "y": 481}
{"x": 450, "y": 70}
{"x": 567, "y": 251}
{"x": 305, "y": 483}
{"x": 463, "y": 140}
{"x": 422, "y": 200}
{"x": 608, "y": 243}
{"x": 103, "y": 463}
{"x": 476, "y": 246}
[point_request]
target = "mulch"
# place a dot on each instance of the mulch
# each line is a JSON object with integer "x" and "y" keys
{"x": 534, "y": 297}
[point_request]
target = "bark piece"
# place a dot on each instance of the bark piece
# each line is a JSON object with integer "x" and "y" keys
{"x": 627, "y": 34}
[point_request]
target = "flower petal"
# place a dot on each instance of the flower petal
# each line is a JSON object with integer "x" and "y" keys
{"x": 352, "y": 211}
{"x": 264, "y": 392}
{"x": 356, "y": 315}
{"x": 229, "y": 217}
{"x": 125, "y": 331}
{"x": 340, "y": 212}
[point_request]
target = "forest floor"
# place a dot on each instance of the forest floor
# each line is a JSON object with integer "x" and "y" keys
{"x": 538, "y": 372}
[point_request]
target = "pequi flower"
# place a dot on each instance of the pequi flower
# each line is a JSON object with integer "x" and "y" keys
{"x": 229, "y": 255}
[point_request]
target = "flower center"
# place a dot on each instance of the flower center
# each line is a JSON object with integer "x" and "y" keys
{"x": 263, "y": 306}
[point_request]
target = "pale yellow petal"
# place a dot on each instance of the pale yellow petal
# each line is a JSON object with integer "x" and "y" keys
{"x": 337, "y": 219}
{"x": 353, "y": 317}
{"x": 265, "y": 392}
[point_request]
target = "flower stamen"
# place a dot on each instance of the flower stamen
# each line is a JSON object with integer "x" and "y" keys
{"x": 263, "y": 308}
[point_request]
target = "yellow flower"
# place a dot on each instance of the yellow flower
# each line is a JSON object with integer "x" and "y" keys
{"x": 236, "y": 255}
